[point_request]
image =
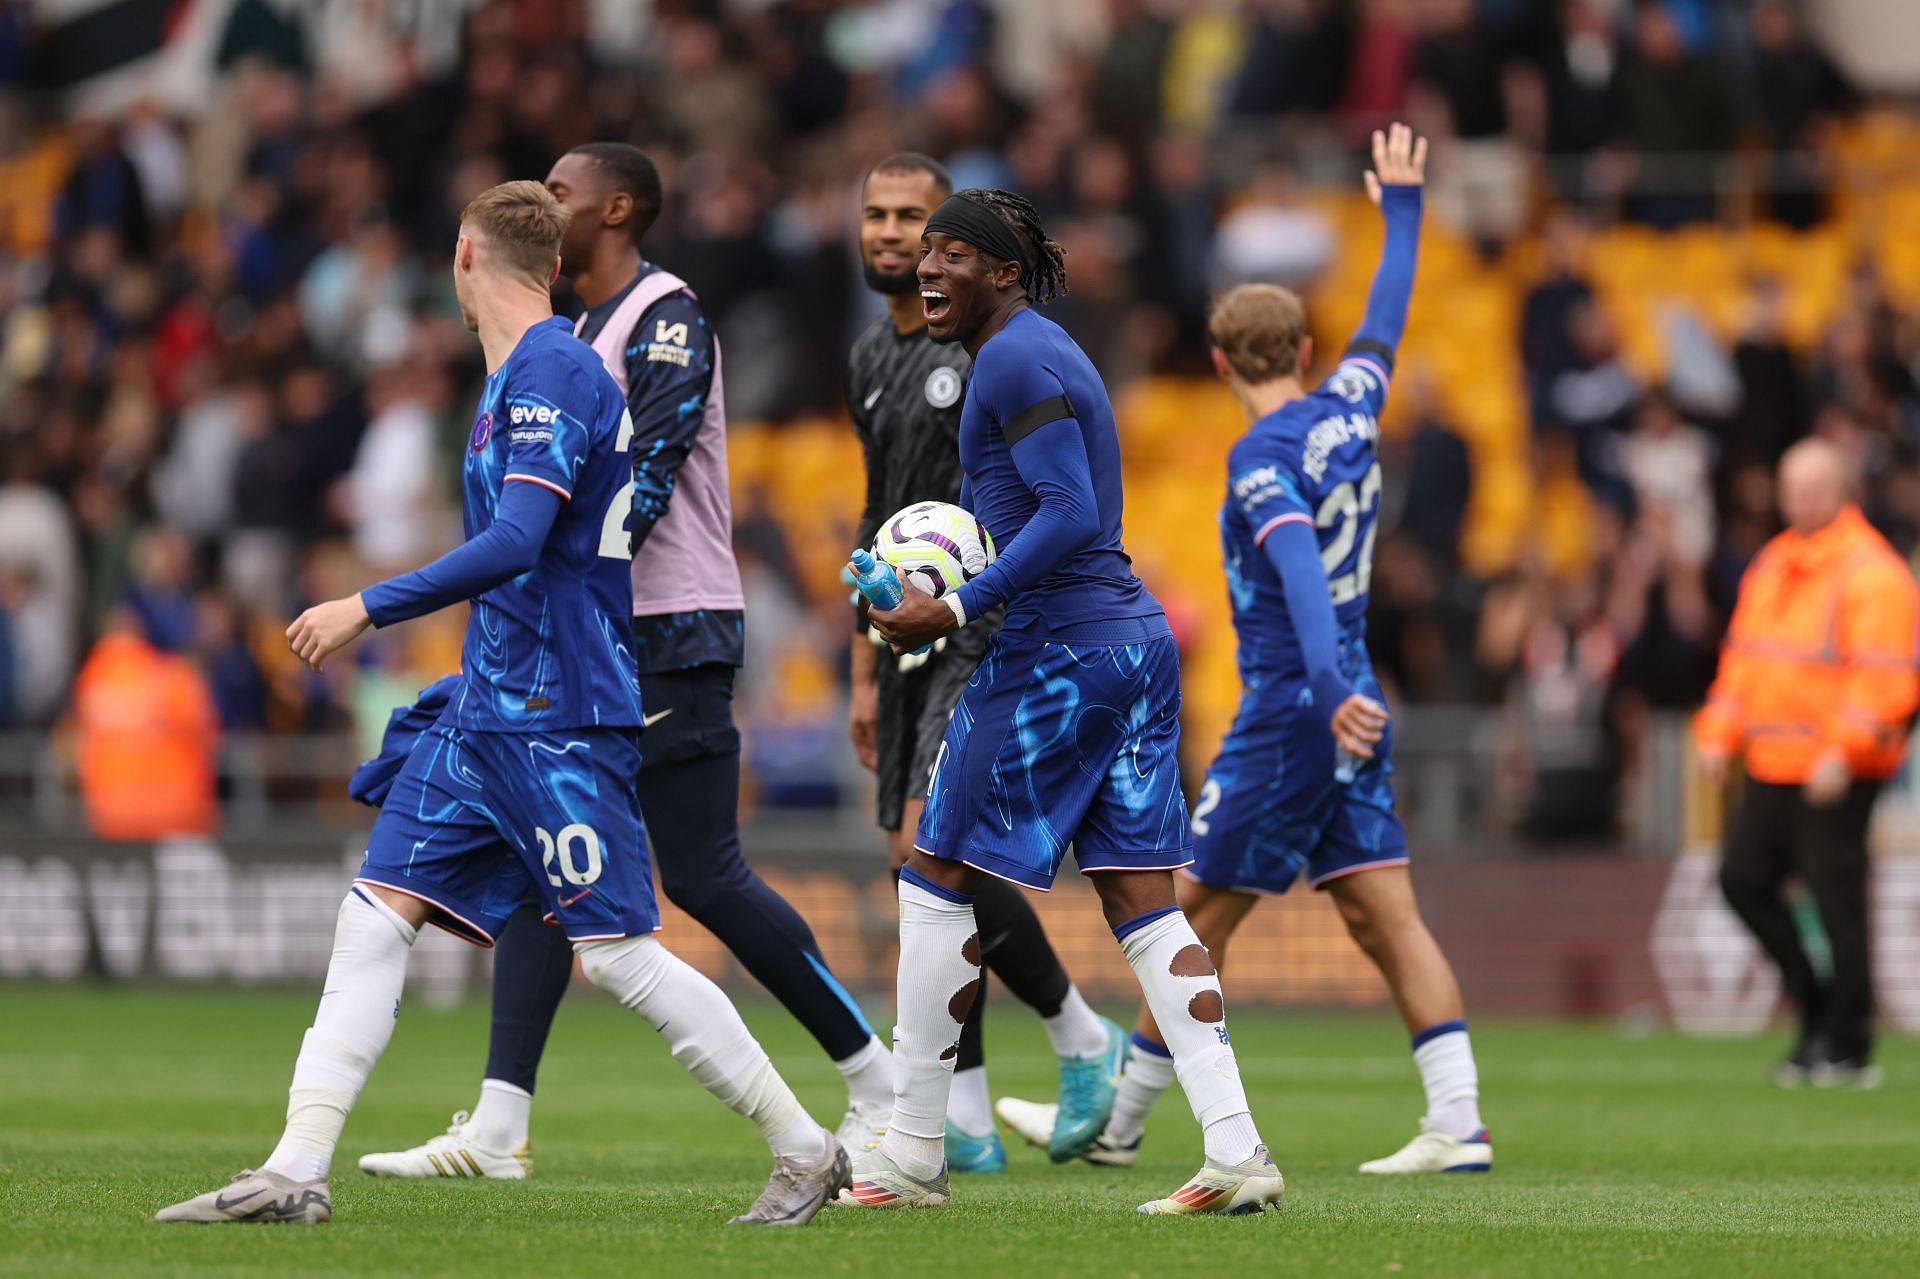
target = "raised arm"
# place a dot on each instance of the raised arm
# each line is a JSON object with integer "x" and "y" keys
{"x": 1394, "y": 183}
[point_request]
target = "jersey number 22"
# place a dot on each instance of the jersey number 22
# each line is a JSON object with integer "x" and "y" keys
{"x": 1343, "y": 508}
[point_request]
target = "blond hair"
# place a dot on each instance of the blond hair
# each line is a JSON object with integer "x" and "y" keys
{"x": 521, "y": 223}
{"x": 1259, "y": 328}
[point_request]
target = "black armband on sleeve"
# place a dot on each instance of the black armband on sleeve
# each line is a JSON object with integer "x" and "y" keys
{"x": 1032, "y": 418}
{"x": 1367, "y": 346}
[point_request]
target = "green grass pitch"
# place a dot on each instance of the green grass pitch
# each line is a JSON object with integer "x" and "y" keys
{"x": 1658, "y": 1155}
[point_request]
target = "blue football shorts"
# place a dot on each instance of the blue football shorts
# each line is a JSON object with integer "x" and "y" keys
{"x": 1060, "y": 744}
{"x": 1272, "y": 808}
{"x": 478, "y": 823}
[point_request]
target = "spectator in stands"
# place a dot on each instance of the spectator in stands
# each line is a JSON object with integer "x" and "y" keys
{"x": 1675, "y": 115}
{"x": 1547, "y": 347}
{"x": 1668, "y": 465}
{"x": 1816, "y": 693}
{"x": 1774, "y": 409}
{"x": 148, "y": 738}
{"x": 1460, "y": 83}
{"x": 1594, "y": 401}
{"x": 1797, "y": 91}
{"x": 38, "y": 549}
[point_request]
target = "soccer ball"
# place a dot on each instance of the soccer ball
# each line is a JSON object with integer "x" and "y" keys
{"x": 934, "y": 546}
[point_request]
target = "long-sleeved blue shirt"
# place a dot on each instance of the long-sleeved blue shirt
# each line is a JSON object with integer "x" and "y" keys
{"x": 1303, "y": 499}
{"x": 1041, "y": 459}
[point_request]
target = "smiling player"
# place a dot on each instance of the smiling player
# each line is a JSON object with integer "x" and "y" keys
{"x": 904, "y": 393}
{"x": 1067, "y": 733}
{"x": 526, "y": 779}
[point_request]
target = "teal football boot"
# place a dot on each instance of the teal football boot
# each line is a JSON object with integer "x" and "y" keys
{"x": 967, "y": 1153}
{"x": 1086, "y": 1097}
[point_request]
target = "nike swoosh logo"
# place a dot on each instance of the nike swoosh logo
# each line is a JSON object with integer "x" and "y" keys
{"x": 874, "y": 398}
{"x": 222, "y": 1203}
{"x": 564, "y": 902}
{"x": 648, "y": 721}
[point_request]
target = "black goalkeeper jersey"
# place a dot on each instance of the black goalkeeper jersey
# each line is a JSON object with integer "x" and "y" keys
{"x": 904, "y": 391}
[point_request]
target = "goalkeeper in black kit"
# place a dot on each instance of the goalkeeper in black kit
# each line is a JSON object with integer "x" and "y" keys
{"x": 905, "y": 393}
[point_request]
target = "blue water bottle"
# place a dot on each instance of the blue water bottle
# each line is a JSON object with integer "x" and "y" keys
{"x": 877, "y": 580}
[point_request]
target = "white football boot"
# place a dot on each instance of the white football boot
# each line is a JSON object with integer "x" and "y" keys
{"x": 862, "y": 1127}
{"x": 1034, "y": 1120}
{"x": 1246, "y": 1187}
{"x": 454, "y": 1153}
{"x": 1437, "y": 1152}
{"x": 257, "y": 1197}
{"x": 878, "y": 1182}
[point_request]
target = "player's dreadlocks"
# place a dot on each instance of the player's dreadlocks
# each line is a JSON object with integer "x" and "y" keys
{"x": 1046, "y": 278}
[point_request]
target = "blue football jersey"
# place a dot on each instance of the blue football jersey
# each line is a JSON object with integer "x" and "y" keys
{"x": 1313, "y": 461}
{"x": 551, "y": 648}
{"x": 1029, "y": 375}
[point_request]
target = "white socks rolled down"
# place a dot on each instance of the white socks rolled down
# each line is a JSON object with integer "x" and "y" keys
{"x": 499, "y": 1120}
{"x": 1149, "y": 1073}
{"x": 350, "y": 1030}
{"x": 1076, "y": 1030}
{"x": 869, "y": 1074}
{"x": 705, "y": 1034}
{"x": 1444, "y": 1055}
{"x": 1183, "y": 992}
{"x": 938, "y": 980}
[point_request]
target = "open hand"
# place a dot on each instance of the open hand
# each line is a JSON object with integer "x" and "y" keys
{"x": 1358, "y": 724}
{"x": 326, "y": 628}
{"x": 1399, "y": 160}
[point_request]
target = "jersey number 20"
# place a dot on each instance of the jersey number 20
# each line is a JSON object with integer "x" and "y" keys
{"x": 613, "y": 529}
{"x": 1343, "y": 507}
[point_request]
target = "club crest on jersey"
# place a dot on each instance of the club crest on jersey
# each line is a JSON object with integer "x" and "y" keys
{"x": 482, "y": 431}
{"x": 943, "y": 388}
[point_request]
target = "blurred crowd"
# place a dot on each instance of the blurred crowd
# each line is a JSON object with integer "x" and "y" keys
{"x": 232, "y": 380}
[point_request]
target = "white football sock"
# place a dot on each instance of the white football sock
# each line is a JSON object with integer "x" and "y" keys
{"x": 869, "y": 1074}
{"x": 969, "y": 1106}
{"x": 937, "y": 981}
{"x": 499, "y": 1119}
{"x": 1149, "y": 1073}
{"x": 704, "y": 1031}
{"x": 1445, "y": 1057}
{"x": 1183, "y": 991}
{"x": 1076, "y": 1030}
{"x": 351, "y": 1028}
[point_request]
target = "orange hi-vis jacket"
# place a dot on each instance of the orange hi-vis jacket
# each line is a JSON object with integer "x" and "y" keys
{"x": 149, "y": 738}
{"x": 1823, "y": 654}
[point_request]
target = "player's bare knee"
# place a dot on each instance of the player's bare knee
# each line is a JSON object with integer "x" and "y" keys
{"x": 1128, "y": 895}
{"x": 956, "y": 876}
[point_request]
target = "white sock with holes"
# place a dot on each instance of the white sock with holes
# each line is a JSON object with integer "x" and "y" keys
{"x": 1447, "y": 1071}
{"x": 938, "y": 980}
{"x": 351, "y": 1028}
{"x": 704, "y": 1031}
{"x": 1183, "y": 991}
{"x": 1149, "y": 1073}
{"x": 969, "y": 1105}
{"x": 1076, "y": 1030}
{"x": 869, "y": 1074}
{"x": 499, "y": 1119}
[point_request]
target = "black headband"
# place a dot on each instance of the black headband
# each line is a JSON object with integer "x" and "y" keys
{"x": 982, "y": 228}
